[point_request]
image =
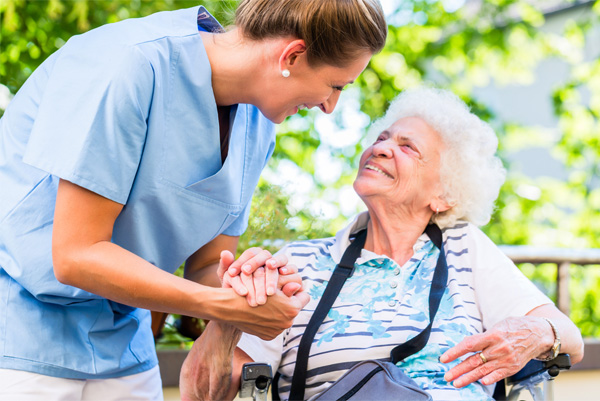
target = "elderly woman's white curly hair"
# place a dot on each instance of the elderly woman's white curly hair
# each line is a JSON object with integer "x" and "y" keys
{"x": 470, "y": 172}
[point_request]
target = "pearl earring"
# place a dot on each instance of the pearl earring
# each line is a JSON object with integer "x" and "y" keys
{"x": 285, "y": 73}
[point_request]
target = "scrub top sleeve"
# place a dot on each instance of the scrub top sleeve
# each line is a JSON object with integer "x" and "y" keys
{"x": 240, "y": 224}
{"x": 92, "y": 119}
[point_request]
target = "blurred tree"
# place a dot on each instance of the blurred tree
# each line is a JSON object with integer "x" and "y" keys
{"x": 32, "y": 30}
{"x": 461, "y": 45}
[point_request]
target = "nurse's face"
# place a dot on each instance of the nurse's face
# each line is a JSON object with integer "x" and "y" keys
{"x": 309, "y": 87}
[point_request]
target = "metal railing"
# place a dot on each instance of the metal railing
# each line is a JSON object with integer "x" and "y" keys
{"x": 563, "y": 258}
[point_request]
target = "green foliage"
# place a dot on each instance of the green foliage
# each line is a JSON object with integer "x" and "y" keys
{"x": 500, "y": 42}
{"x": 32, "y": 30}
{"x": 269, "y": 226}
{"x": 171, "y": 338}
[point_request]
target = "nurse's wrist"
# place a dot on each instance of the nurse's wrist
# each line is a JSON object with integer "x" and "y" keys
{"x": 217, "y": 303}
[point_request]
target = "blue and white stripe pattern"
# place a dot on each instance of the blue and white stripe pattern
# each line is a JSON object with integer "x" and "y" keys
{"x": 383, "y": 305}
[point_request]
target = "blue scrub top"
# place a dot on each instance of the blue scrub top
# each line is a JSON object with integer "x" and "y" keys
{"x": 126, "y": 111}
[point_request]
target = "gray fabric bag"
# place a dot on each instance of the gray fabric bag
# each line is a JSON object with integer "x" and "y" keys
{"x": 374, "y": 380}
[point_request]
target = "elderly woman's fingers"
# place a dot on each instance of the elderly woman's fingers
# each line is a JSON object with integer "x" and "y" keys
{"x": 499, "y": 352}
{"x": 488, "y": 372}
{"x": 248, "y": 282}
{"x": 290, "y": 283}
{"x": 288, "y": 269}
{"x": 256, "y": 261}
{"x": 496, "y": 376}
{"x": 271, "y": 277}
{"x": 291, "y": 289}
{"x": 235, "y": 282}
{"x": 470, "y": 344}
{"x": 258, "y": 279}
{"x": 471, "y": 369}
{"x": 478, "y": 373}
{"x": 226, "y": 260}
{"x": 279, "y": 260}
{"x": 249, "y": 261}
{"x": 274, "y": 266}
{"x": 236, "y": 266}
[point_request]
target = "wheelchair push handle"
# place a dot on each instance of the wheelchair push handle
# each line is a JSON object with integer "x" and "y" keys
{"x": 256, "y": 379}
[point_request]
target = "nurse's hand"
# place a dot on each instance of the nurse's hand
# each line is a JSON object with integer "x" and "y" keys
{"x": 257, "y": 274}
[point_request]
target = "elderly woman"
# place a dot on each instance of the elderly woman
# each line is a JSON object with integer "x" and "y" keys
{"x": 432, "y": 162}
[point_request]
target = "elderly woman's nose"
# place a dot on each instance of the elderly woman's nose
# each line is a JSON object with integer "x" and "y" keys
{"x": 382, "y": 149}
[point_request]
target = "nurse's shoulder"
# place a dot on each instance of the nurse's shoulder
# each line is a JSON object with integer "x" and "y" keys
{"x": 110, "y": 39}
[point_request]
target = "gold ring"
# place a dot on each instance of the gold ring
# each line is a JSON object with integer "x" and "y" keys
{"x": 483, "y": 358}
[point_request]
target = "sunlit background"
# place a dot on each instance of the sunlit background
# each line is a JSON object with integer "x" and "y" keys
{"x": 529, "y": 68}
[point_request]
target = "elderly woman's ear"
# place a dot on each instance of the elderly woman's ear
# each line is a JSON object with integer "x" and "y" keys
{"x": 439, "y": 206}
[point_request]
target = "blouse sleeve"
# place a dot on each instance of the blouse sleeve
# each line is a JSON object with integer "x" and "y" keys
{"x": 92, "y": 119}
{"x": 502, "y": 290}
{"x": 261, "y": 350}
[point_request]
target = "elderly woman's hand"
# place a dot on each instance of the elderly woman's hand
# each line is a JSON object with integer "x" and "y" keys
{"x": 257, "y": 274}
{"x": 499, "y": 352}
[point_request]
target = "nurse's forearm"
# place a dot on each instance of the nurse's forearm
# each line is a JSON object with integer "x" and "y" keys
{"x": 108, "y": 270}
{"x": 115, "y": 273}
{"x": 84, "y": 256}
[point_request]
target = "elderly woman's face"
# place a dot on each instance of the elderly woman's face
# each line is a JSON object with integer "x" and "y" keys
{"x": 402, "y": 167}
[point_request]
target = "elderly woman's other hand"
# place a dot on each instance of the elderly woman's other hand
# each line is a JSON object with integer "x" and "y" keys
{"x": 256, "y": 274}
{"x": 499, "y": 352}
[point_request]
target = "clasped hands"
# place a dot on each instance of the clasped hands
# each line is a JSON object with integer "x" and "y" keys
{"x": 257, "y": 274}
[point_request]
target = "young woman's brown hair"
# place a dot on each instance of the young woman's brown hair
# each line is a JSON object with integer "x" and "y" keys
{"x": 334, "y": 31}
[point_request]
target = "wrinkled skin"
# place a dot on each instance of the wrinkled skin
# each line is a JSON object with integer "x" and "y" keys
{"x": 507, "y": 346}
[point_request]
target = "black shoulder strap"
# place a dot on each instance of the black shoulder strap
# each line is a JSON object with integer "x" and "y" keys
{"x": 344, "y": 270}
{"x": 438, "y": 286}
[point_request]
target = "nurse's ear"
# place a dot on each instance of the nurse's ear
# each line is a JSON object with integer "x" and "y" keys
{"x": 291, "y": 54}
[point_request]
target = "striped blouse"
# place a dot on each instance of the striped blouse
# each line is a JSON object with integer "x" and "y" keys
{"x": 383, "y": 305}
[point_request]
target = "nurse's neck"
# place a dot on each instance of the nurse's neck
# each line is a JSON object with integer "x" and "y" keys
{"x": 242, "y": 69}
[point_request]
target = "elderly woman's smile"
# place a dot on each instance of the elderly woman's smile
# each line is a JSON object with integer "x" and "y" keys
{"x": 402, "y": 164}
{"x": 372, "y": 166}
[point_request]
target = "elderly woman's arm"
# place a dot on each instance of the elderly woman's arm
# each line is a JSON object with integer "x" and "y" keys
{"x": 570, "y": 336}
{"x": 510, "y": 344}
{"x": 212, "y": 369}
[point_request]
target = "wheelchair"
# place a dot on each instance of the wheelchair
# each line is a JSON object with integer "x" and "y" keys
{"x": 537, "y": 378}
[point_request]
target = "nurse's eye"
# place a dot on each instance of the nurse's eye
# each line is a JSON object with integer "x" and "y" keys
{"x": 339, "y": 88}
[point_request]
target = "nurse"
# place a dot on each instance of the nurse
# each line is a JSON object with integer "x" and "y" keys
{"x": 137, "y": 147}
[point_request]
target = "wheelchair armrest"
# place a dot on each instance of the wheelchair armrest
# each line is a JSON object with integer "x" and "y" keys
{"x": 533, "y": 367}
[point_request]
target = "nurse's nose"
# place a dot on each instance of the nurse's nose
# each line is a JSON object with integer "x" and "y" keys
{"x": 331, "y": 102}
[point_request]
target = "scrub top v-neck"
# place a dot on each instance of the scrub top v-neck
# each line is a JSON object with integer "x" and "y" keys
{"x": 126, "y": 111}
